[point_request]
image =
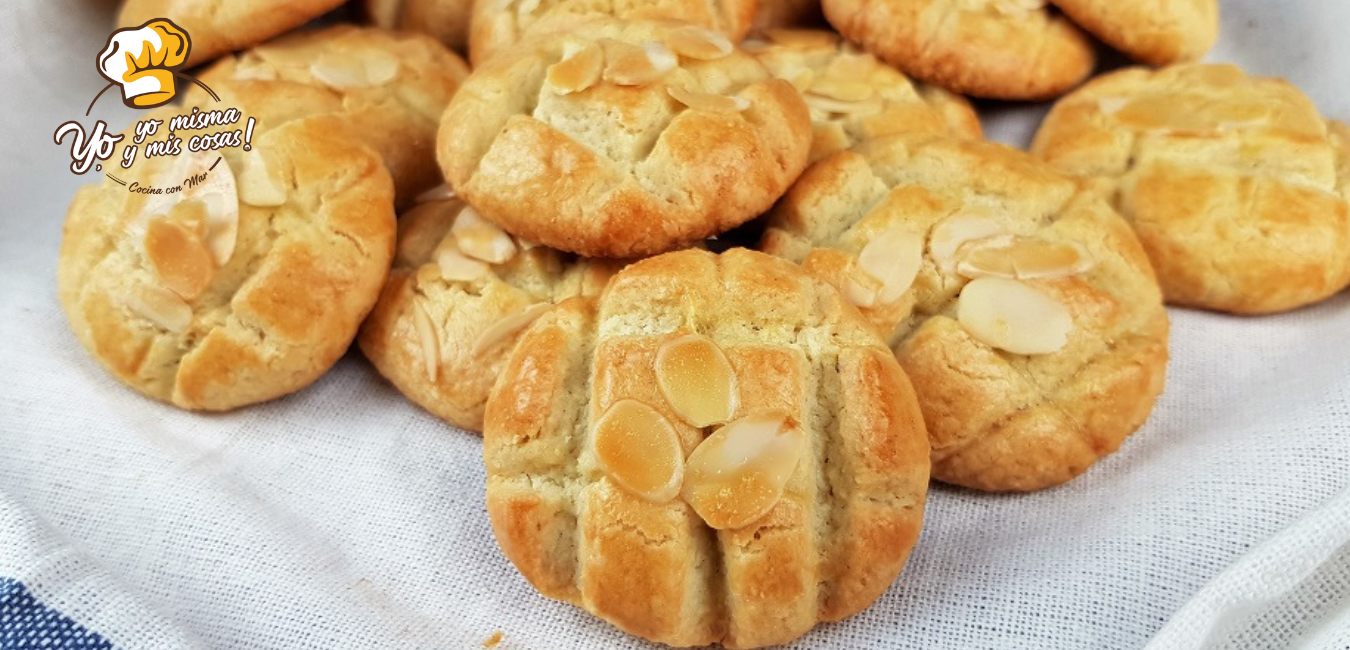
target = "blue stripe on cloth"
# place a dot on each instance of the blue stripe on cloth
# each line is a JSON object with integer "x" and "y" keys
{"x": 27, "y": 623}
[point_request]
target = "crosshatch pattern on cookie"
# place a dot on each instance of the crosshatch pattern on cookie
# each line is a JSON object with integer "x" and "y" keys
{"x": 1235, "y": 184}
{"x": 315, "y": 231}
{"x": 835, "y": 540}
{"x": 997, "y": 420}
{"x": 622, "y": 167}
{"x": 499, "y": 24}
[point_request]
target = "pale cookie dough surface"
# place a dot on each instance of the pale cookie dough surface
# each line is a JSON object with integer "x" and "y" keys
{"x": 1236, "y": 185}
{"x": 389, "y": 87}
{"x": 445, "y": 20}
{"x": 639, "y": 151}
{"x": 996, "y": 49}
{"x": 446, "y": 321}
{"x": 853, "y": 96}
{"x": 1157, "y": 32}
{"x": 1022, "y": 307}
{"x": 500, "y": 24}
{"x": 218, "y": 27}
{"x": 243, "y": 288}
{"x": 851, "y": 503}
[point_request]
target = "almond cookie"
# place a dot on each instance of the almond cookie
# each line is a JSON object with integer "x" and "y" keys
{"x": 624, "y": 139}
{"x": 459, "y": 296}
{"x": 389, "y": 87}
{"x": 499, "y": 24}
{"x": 445, "y": 20}
{"x": 1157, "y": 33}
{"x": 219, "y": 27}
{"x": 997, "y": 49}
{"x": 246, "y": 285}
{"x": 717, "y": 449}
{"x": 1022, "y": 306}
{"x": 854, "y": 97}
{"x": 1233, "y": 183}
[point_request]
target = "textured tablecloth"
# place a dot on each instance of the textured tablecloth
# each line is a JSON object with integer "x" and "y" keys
{"x": 344, "y": 517}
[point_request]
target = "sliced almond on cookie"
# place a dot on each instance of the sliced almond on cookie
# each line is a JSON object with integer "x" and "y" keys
{"x": 456, "y": 266}
{"x": 738, "y": 473}
{"x": 481, "y": 239}
{"x": 707, "y": 102}
{"x": 637, "y": 447}
{"x": 697, "y": 380}
{"x": 160, "y": 306}
{"x": 842, "y": 89}
{"x": 633, "y": 65}
{"x": 577, "y": 72}
{"x": 831, "y": 105}
{"x": 1013, "y": 316}
{"x": 177, "y": 254}
{"x": 257, "y": 185}
{"x": 507, "y": 327}
{"x": 950, "y": 234}
{"x": 892, "y": 258}
{"x": 1024, "y": 258}
{"x": 696, "y": 42}
{"x": 427, "y": 339}
{"x": 345, "y": 69}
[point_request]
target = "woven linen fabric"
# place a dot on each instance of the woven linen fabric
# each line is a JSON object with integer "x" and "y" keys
{"x": 345, "y": 517}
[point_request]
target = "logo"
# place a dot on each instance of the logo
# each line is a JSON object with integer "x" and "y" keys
{"x": 144, "y": 62}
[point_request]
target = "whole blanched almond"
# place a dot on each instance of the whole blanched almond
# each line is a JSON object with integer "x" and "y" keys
{"x": 697, "y": 380}
{"x": 1024, "y": 258}
{"x": 638, "y": 449}
{"x": 578, "y": 71}
{"x": 481, "y": 239}
{"x": 438, "y": 194}
{"x": 950, "y": 234}
{"x": 177, "y": 254}
{"x": 893, "y": 258}
{"x": 1013, "y": 316}
{"x": 706, "y": 102}
{"x": 508, "y": 326}
{"x": 696, "y": 42}
{"x": 737, "y": 475}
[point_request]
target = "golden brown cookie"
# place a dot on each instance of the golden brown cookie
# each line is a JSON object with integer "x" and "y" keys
{"x": 1022, "y": 307}
{"x": 499, "y": 24}
{"x": 998, "y": 49}
{"x": 614, "y": 484}
{"x": 624, "y": 139}
{"x": 445, "y": 20}
{"x": 459, "y": 296}
{"x": 1160, "y": 32}
{"x": 390, "y": 88}
{"x": 854, "y": 97}
{"x": 222, "y": 26}
{"x": 247, "y": 285}
{"x": 780, "y": 14}
{"x": 1232, "y": 182}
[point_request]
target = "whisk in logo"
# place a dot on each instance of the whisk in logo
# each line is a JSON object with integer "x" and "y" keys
{"x": 143, "y": 63}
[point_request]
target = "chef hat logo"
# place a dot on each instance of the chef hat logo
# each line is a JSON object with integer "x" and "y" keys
{"x": 142, "y": 61}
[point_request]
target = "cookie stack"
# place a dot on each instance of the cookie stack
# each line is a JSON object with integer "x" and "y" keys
{"x": 715, "y": 447}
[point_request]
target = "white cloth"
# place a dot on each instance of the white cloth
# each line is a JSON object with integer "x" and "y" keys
{"x": 344, "y": 517}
